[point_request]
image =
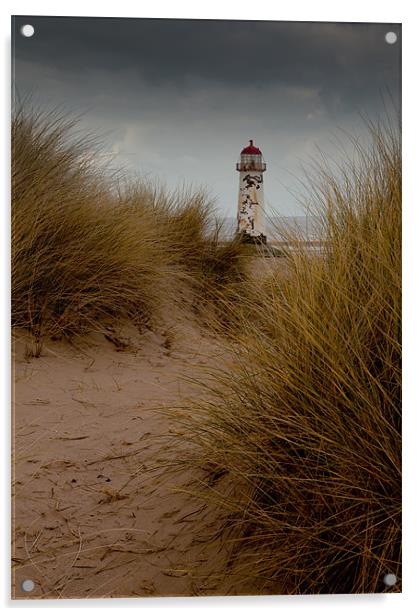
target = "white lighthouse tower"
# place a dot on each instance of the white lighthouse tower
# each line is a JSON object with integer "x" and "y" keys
{"x": 250, "y": 214}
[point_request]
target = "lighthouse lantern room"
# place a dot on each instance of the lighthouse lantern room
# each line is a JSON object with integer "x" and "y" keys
{"x": 250, "y": 215}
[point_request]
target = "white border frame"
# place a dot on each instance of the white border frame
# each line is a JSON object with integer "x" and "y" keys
{"x": 321, "y": 10}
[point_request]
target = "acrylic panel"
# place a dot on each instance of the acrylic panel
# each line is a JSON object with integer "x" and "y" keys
{"x": 206, "y": 307}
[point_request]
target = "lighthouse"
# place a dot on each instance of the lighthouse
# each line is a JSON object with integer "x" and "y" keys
{"x": 250, "y": 212}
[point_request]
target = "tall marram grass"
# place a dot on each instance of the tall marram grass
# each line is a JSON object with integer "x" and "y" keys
{"x": 300, "y": 436}
{"x": 89, "y": 247}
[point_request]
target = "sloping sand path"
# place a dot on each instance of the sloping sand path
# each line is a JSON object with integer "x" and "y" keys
{"x": 95, "y": 513}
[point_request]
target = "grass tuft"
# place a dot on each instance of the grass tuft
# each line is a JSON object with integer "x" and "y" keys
{"x": 304, "y": 425}
{"x": 88, "y": 247}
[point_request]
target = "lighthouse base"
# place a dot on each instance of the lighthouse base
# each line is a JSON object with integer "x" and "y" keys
{"x": 246, "y": 238}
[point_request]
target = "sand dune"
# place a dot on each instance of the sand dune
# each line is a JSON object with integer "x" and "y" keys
{"x": 96, "y": 511}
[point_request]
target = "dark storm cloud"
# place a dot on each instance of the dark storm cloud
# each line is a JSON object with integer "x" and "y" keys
{"x": 176, "y": 100}
{"x": 350, "y": 61}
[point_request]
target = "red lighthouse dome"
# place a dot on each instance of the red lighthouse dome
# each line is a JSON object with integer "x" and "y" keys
{"x": 251, "y": 149}
{"x": 251, "y": 159}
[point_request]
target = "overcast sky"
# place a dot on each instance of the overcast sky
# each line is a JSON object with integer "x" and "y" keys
{"x": 178, "y": 99}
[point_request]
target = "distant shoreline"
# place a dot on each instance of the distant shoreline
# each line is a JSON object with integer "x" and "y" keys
{"x": 303, "y": 228}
